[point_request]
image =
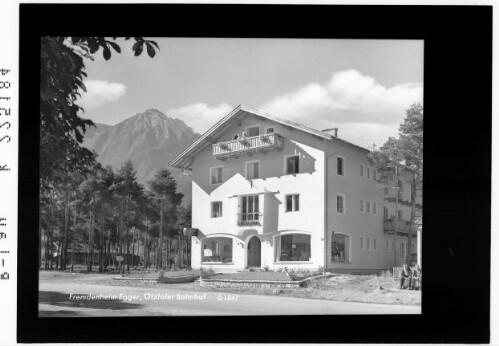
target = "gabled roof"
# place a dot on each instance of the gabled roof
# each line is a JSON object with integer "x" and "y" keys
{"x": 185, "y": 158}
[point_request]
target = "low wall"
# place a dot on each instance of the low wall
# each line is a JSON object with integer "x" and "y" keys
{"x": 258, "y": 283}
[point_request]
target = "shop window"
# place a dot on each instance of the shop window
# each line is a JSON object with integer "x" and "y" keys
{"x": 293, "y": 247}
{"x": 217, "y": 250}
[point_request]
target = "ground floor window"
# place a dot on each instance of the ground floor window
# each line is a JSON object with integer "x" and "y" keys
{"x": 217, "y": 250}
{"x": 340, "y": 246}
{"x": 293, "y": 247}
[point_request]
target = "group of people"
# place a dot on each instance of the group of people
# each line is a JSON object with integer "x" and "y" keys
{"x": 411, "y": 277}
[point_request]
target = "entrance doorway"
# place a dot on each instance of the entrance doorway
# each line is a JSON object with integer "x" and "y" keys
{"x": 254, "y": 252}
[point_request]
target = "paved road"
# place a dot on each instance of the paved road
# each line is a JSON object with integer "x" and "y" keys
{"x": 57, "y": 300}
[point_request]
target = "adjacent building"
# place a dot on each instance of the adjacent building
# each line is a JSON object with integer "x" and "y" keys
{"x": 268, "y": 192}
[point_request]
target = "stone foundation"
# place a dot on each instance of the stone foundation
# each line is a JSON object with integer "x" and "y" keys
{"x": 255, "y": 283}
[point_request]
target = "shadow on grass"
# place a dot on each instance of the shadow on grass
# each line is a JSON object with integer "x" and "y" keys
{"x": 62, "y": 299}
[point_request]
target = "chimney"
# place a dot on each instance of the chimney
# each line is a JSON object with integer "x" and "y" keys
{"x": 328, "y": 131}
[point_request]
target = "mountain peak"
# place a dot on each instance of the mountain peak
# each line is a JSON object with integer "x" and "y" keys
{"x": 149, "y": 139}
{"x": 153, "y": 111}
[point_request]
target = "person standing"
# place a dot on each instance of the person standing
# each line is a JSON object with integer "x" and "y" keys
{"x": 416, "y": 278}
{"x": 405, "y": 277}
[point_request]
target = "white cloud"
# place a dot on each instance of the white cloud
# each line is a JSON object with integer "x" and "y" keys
{"x": 365, "y": 111}
{"x": 348, "y": 96}
{"x": 200, "y": 116}
{"x": 367, "y": 134}
{"x": 101, "y": 92}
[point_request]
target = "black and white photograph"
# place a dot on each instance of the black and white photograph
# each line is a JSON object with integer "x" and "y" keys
{"x": 247, "y": 173}
{"x": 230, "y": 176}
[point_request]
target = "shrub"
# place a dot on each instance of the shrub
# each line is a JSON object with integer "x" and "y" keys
{"x": 203, "y": 272}
{"x": 386, "y": 274}
{"x": 291, "y": 274}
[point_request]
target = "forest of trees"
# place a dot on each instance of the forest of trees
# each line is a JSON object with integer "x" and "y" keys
{"x": 91, "y": 218}
{"x": 88, "y": 213}
{"x": 404, "y": 154}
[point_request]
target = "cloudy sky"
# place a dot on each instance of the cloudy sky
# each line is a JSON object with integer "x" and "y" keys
{"x": 360, "y": 86}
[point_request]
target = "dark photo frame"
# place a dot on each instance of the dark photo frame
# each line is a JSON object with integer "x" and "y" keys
{"x": 457, "y": 181}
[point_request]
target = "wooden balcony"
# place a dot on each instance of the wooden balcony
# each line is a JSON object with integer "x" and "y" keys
{"x": 242, "y": 146}
{"x": 402, "y": 226}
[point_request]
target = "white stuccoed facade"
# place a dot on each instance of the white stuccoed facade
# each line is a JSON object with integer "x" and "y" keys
{"x": 318, "y": 225}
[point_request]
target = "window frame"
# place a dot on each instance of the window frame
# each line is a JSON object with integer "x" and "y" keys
{"x": 374, "y": 207}
{"x": 212, "y": 210}
{"x": 246, "y": 169}
{"x": 253, "y": 204}
{"x": 294, "y": 197}
{"x": 343, "y": 212}
{"x": 286, "y": 157}
{"x": 402, "y": 249}
{"x": 348, "y": 248}
{"x": 400, "y": 214}
{"x": 362, "y": 243}
{"x": 211, "y": 175}
{"x": 368, "y": 207}
{"x": 362, "y": 206}
{"x": 251, "y": 127}
{"x": 375, "y": 244}
{"x": 362, "y": 169}
{"x": 278, "y": 237}
{"x": 221, "y": 249}
{"x": 368, "y": 172}
{"x": 343, "y": 165}
{"x": 268, "y": 127}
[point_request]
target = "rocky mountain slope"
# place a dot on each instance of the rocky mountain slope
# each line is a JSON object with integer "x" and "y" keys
{"x": 148, "y": 139}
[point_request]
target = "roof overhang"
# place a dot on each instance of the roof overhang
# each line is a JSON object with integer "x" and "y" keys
{"x": 185, "y": 159}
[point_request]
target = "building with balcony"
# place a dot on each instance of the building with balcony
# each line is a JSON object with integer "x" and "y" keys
{"x": 268, "y": 192}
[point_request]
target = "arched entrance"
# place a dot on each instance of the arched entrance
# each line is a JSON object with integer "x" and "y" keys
{"x": 254, "y": 252}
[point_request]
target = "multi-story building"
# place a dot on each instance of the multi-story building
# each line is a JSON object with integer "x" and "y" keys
{"x": 268, "y": 192}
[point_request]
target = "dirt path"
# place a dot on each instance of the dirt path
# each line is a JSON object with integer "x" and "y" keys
{"x": 71, "y": 299}
{"x": 343, "y": 288}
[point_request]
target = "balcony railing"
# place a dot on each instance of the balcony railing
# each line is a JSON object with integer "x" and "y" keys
{"x": 236, "y": 147}
{"x": 389, "y": 225}
{"x": 249, "y": 219}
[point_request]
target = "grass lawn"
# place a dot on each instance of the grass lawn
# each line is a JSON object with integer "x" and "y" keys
{"x": 261, "y": 276}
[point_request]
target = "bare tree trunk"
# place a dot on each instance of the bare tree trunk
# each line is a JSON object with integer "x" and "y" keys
{"x": 74, "y": 240}
{"x": 160, "y": 245}
{"x": 120, "y": 234}
{"x": 413, "y": 216}
{"x": 146, "y": 245}
{"x": 101, "y": 241}
{"x": 40, "y": 238}
{"x": 180, "y": 250}
{"x": 90, "y": 242}
{"x": 127, "y": 235}
{"x": 66, "y": 235}
{"x": 396, "y": 221}
{"x": 133, "y": 247}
